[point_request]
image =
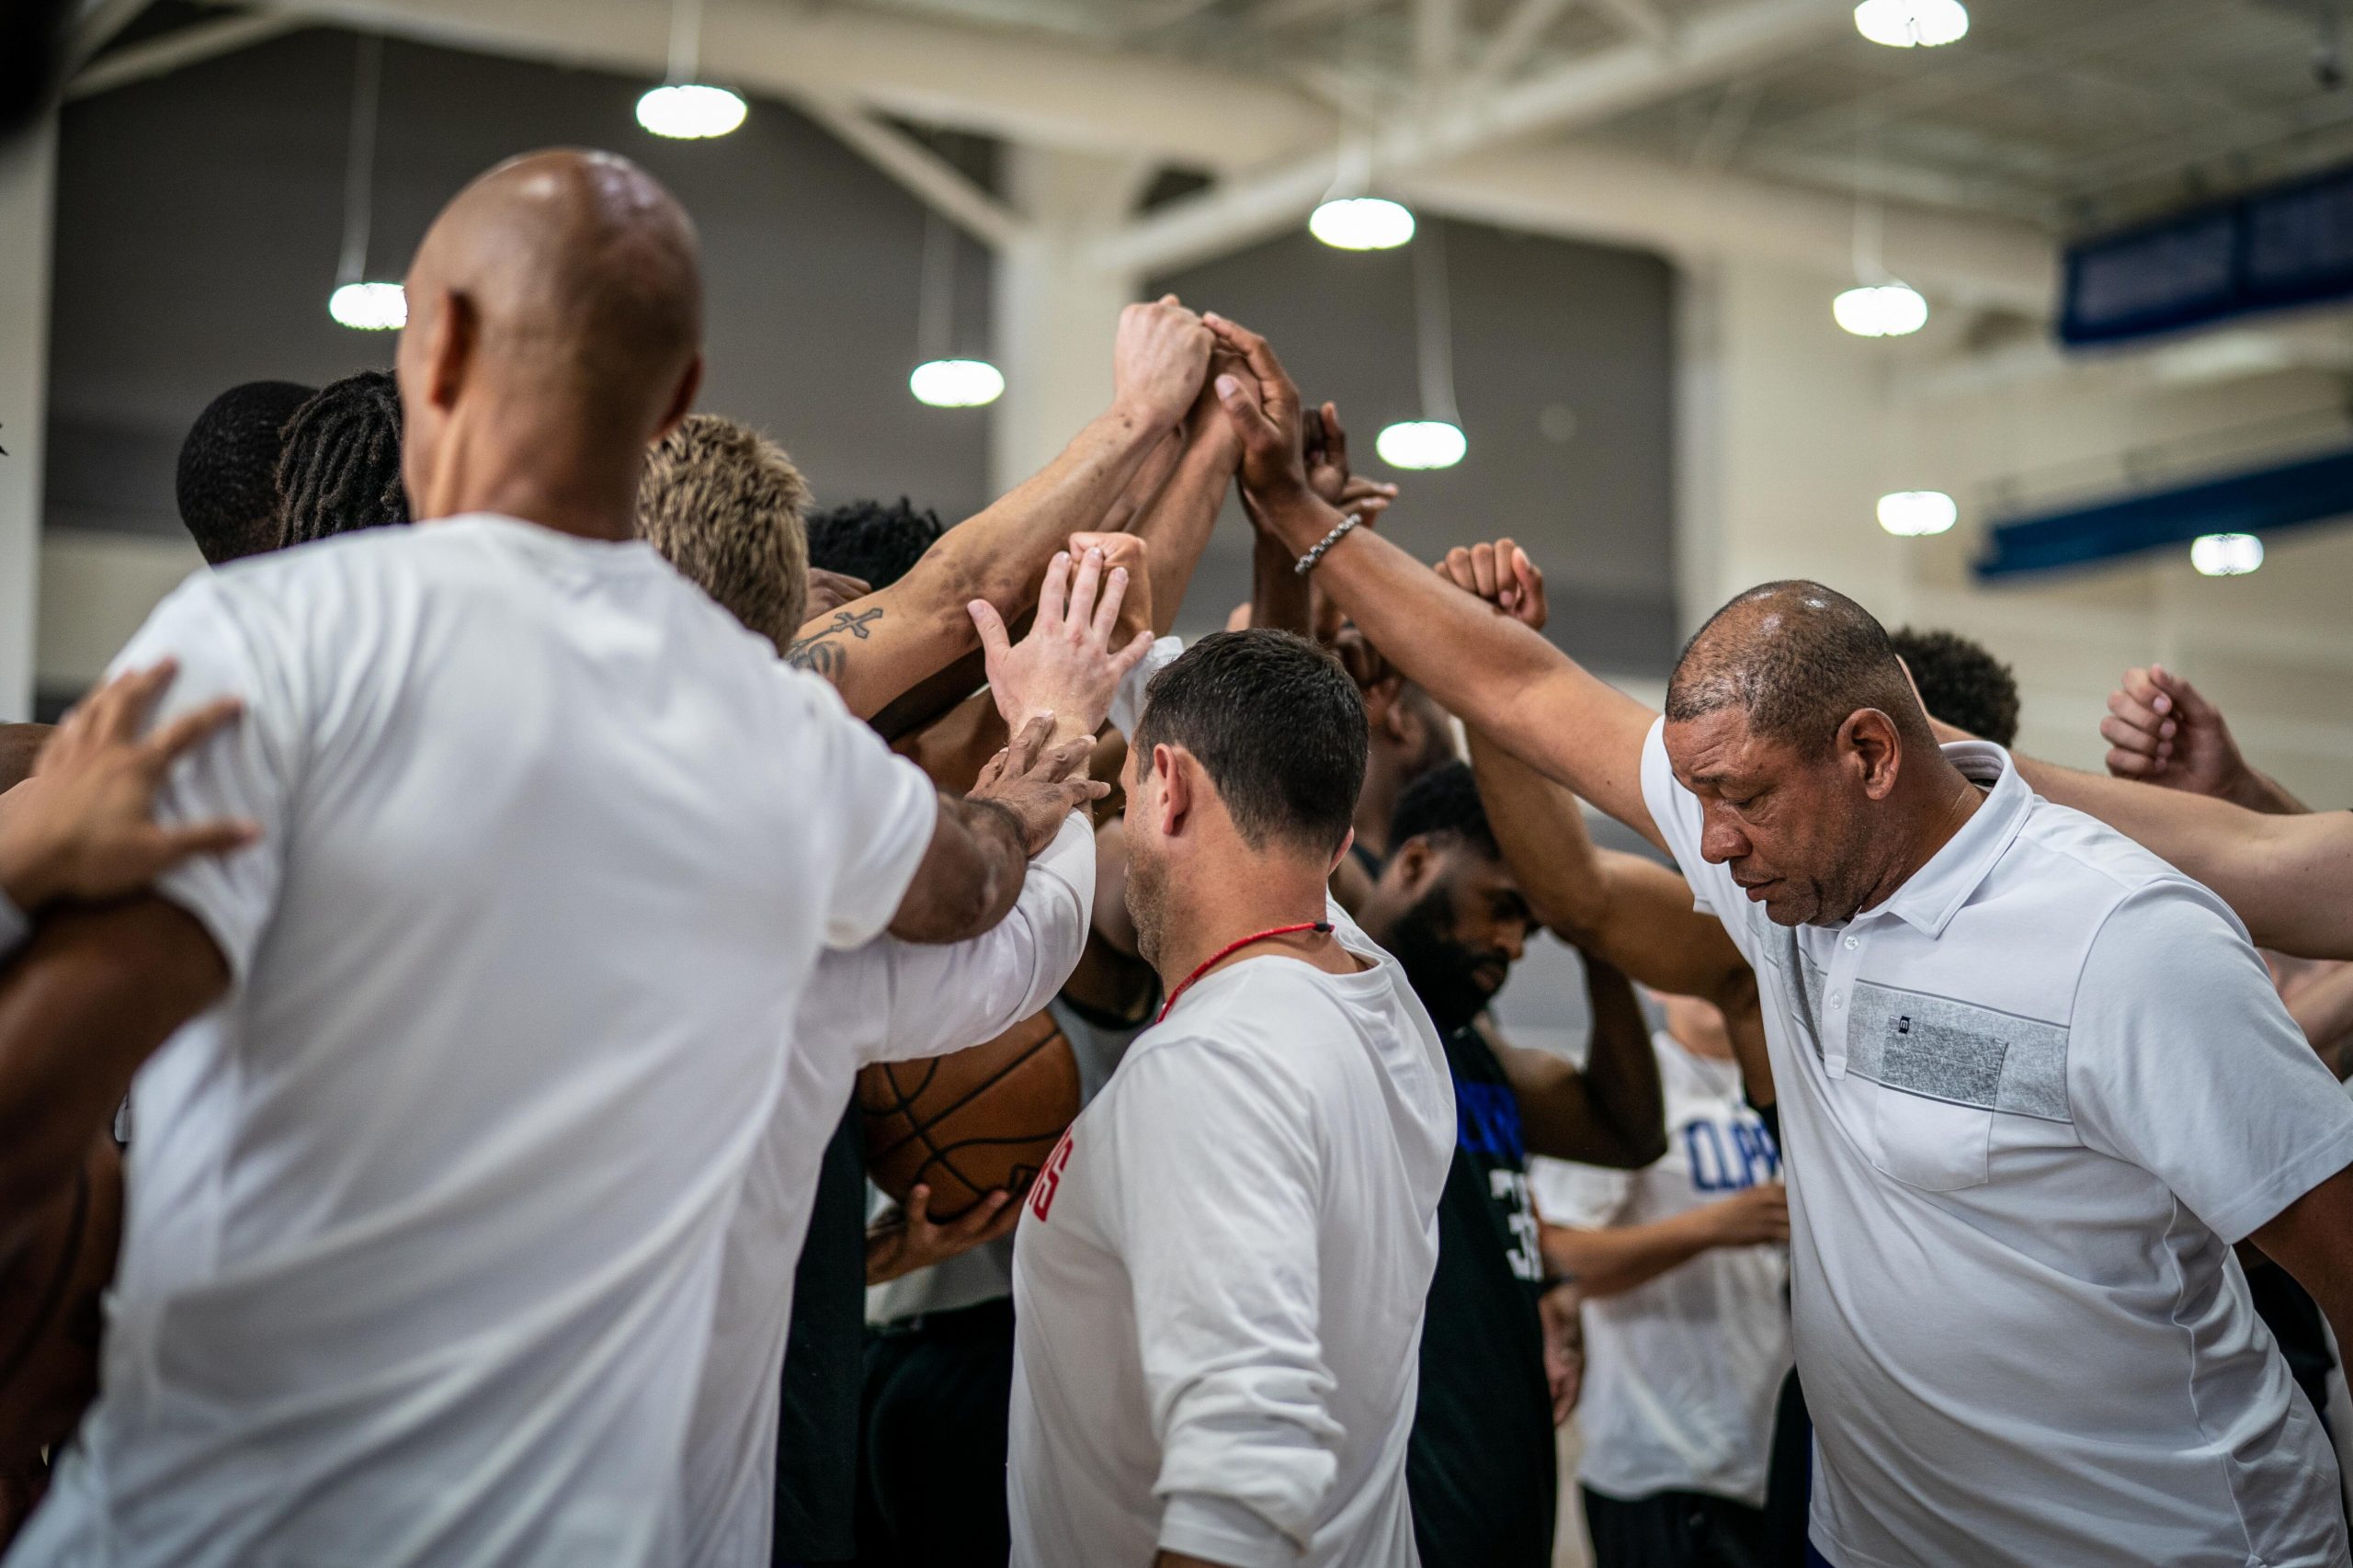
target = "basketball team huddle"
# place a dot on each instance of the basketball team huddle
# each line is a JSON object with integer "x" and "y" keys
{"x": 458, "y": 982}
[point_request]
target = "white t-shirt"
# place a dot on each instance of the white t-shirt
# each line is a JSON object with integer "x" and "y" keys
{"x": 1682, "y": 1372}
{"x": 1219, "y": 1284}
{"x": 2028, "y": 1103}
{"x": 425, "y": 1219}
{"x": 886, "y": 1002}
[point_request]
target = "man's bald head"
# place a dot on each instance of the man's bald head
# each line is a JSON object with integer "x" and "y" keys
{"x": 1796, "y": 659}
{"x": 555, "y": 302}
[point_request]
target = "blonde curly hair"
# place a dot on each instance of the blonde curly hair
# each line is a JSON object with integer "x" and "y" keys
{"x": 724, "y": 504}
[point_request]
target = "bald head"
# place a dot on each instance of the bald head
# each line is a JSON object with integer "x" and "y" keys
{"x": 555, "y": 312}
{"x": 1796, "y": 659}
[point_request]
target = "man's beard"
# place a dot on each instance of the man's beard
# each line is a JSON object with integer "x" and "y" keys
{"x": 1443, "y": 971}
{"x": 1147, "y": 901}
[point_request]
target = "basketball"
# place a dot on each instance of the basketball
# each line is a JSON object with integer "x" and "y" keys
{"x": 968, "y": 1123}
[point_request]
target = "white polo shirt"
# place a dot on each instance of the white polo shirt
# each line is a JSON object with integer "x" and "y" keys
{"x": 2029, "y": 1102}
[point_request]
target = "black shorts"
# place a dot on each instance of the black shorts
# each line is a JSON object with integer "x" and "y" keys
{"x": 931, "y": 1464}
{"x": 1676, "y": 1529}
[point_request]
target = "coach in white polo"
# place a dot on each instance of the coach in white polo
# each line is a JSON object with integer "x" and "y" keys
{"x": 2033, "y": 1083}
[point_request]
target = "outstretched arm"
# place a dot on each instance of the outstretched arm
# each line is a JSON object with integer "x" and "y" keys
{"x": 875, "y": 648}
{"x": 1488, "y": 668}
{"x": 2161, "y": 729}
{"x": 2284, "y": 876}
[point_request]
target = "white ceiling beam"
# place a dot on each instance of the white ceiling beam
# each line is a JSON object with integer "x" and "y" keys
{"x": 95, "y": 25}
{"x": 1590, "y": 89}
{"x": 175, "y": 51}
{"x": 1625, "y": 198}
{"x": 932, "y": 178}
{"x": 1517, "y": 36}
{"x": 1639, "y": 17}
{"x": 1437, "y": 47}
{"x": 1021, "y": 87}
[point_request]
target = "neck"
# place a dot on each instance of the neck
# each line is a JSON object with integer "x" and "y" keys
{"x": 551, "y": 478}
{"x": 1936, "y": 807}
{"x": 1240, "y": 901}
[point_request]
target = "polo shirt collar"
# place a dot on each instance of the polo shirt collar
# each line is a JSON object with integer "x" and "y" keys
{"x": 1932, "y": 895}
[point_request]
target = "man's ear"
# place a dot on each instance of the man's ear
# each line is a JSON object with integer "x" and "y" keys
{"x": 1340, "y": 854}
{"x": 1867, "y": 741}
{"x": 449, "y": 350}
{"x": 1381, "y": 704}
{"x": 682, "y": 400}
{"x": 1415, "y": 865}
{"x": 1173, "y": 767}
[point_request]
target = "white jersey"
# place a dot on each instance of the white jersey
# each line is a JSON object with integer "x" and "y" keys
{"x": 1220, "y": 1279}
{"x": 426, "y": 1218}
{"x": 2029, "y": 1103}
{"x": 887, "y": 1001}
{"x": 1682, "y": 1372}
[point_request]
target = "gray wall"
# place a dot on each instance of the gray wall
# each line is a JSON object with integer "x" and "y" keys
{"x": 199, "y": 228}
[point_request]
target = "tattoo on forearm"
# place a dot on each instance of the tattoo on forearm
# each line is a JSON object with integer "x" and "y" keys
{"x": 821, "y": 654}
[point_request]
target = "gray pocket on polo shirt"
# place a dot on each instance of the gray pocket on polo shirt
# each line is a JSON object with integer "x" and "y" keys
{"x": 1956, "y": 1052}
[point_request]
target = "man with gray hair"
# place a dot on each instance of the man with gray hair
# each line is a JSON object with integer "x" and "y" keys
{"x": 2034, "y": 1082}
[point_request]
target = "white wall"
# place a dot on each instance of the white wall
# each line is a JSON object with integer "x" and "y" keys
{"x": 1792, "y": 430}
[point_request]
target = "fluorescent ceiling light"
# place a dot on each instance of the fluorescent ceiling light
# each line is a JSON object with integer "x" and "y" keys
{"x": 1909, "y": 514}
{"x": 1361, "y": 223}
{"x": 1906, "y": 24}
{"x": 1421, "y": 443}
{"x": 1883, "y": 310}
{"x": 369, "y": 307}
{"x": 955, "y": 383}
{"x": 688, "y": 111}
{"x": 2226, "y": 555}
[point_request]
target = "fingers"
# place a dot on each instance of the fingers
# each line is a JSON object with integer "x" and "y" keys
{"x": 1021, "y": 751}
{"x": 2182, "y": 698}
{"x": 2130, "y": 763}
{"x": 1063, "y": 761}
{"x": 122, "y": 703}
{"x": 1455, "y": 567}
{"x": 1336, "y": 435}
{"x": 1053, "y": 594}
{"x": 991, "y": 771}
{"x": 1247, "y": 414}
{"x": 1483, "y": 571}
{"x": 219, "y": 837}
{"x": 973, "y": 1226}
{"x": 995, "y": 644}
{"x": 1106, "y": 611}
{"x": 1085, "y": 583}
{"x": 1128, "y": 657}
{"x": 1255, "y": 351}
{"x": 918, "y": 1208}
{"x": 186, "y": 730}
{"x": 2126, "y": 735}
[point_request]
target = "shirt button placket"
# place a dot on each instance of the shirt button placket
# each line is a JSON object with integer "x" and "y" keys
{"x": 1838, "y": 1002}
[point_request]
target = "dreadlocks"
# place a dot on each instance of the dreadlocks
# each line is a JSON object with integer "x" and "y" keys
{"x": 341, "y": 468}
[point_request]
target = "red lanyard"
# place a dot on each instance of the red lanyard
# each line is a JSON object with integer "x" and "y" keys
{"x": 1322, "y": 927}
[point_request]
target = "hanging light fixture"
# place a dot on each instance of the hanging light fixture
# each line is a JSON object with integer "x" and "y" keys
{"x": 357, "y": 304}
{"x": 1912, "y": 514}
{"x": 1879, "y": 305}
{"x": 943, "y": 381}
{"x": 1880, "y": 310}
{"x": 2226, "y": 555}
{"x": 1910, "y": 24}
{"x": 1348, "y": 219}
{"x": 1361, "y": 223}
{"x": 1435, "y": 440}
{"x": 682, "y": 107}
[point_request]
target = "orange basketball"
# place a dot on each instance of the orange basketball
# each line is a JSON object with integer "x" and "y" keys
{"x": 968, "y": 1123}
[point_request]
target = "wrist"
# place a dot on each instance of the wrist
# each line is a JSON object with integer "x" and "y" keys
{"x": 27, "y": 879}
{"x": 1296, "y": 517}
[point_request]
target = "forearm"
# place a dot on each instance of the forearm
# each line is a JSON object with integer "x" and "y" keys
{"x": 1541, "y": 829}
{"x": 89, "y": 998}
{"x": 1000, "y": 553}
{"x": 1280, "y": 600}
{"x": 1486, "y": 668}
{"x": 2323, "y": 1010}
{"x": 970, "y": 875}
{"x": 1621, "y": 1070}
{"x": 1743, "y": 1013}
{"x": 1614, "y": 1261}
{"x": 2284, "y": 876}
{"x": 2258, "y": 792}
{"x": 1180, "y": 521}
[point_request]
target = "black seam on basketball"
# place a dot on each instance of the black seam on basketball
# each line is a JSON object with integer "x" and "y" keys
{"x": 944, "y": 1163}
{"x": 923, "y": 1128}
{"x": 54, "y": 1295}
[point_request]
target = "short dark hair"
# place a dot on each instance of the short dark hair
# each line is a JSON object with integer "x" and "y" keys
{"x": 341, "y": 469}
{"x": 876, "y": 541}
{"x": 1444, "y": 802}
{"x": 1278, "y": 726}
{"x": 1796, "y": 658}
{"x": 227, "y": 483}
{"x": 1961, "y": 683}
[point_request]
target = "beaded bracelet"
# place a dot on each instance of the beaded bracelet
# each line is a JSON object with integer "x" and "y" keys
{"x": 1307, "y": 562}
